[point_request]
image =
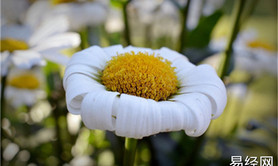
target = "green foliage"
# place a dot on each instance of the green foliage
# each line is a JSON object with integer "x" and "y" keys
{"x": 200, "y": 36}
{"x": 118, "y": 3}
{"x": 48, "y": 70}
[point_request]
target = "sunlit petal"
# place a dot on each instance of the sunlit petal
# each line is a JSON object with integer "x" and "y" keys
{"x": 27, "y": 59}
{"x": 96, "y": 110}
{"x": 49, "y": 28}
{"x": 77, "y": 92}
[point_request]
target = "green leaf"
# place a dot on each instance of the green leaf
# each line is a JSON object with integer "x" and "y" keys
{"x": 200, "y": 36}
{"x": 117, "y": 3}
{"x": 49, "y": 70}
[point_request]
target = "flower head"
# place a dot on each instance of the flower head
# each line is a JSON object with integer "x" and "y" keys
{"x": 251, "y": 54}
{"x": 25, "y": 47}
{"x": 24, "y": 87}
{"x": 141, "y": 75}
{"x": 138, "y": 92}
{"x": 79, "y": 13}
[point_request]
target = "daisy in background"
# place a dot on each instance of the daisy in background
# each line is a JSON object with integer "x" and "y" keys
{"x": 199, "y": 8}
{"x": 250, "y": 54}
{"x": 24, "y": 47}
{"x": 138, "y": 92}
{"x": 163, "y": 17}
{"x": 24, "y": 87}
{"x": 79, "y": 13}
{"x": 158, "y": 18}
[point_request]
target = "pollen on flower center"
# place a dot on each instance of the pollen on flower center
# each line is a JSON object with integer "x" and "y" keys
{"x": 259, "y": 44}
{"x": 56, "y": 2}
{"x": 9, "y": 44}
{"x": 24, "y": 81}
{"x": 141, "y": 75}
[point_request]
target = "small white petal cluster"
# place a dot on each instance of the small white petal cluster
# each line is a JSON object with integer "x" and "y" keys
{"x": 79, "y": 15}
{"x": 200, "y": 98}
{"x": 256, "y": 61}
{"x": 45, "y": 42}
{"x": 24, "y": 96}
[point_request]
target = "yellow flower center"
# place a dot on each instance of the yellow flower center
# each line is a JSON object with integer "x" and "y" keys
{"x": 9, "y": 44}
{"x": 56, "y": 2}
{"x": 24, "y": 81}
{"x": 141, "y": 75}
{"x": 259, "y": 44}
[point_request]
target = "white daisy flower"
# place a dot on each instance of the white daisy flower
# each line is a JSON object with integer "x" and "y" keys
{"x": 24, "y": 87}
{"x": 251, "y": 54}
{"x": 79, "y": 13}
{"x": 138, "y": 92}
{"x": 25, "y": 47}
{"x": 162, "y": 15}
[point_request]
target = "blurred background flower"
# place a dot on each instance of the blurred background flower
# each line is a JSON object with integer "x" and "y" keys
{"x": 24, "y": 87}
{"x": 26, "y": 47}
{"x": 78, "y": 13}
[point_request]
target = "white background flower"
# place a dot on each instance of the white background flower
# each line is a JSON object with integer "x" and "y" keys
{"x": 161, "y": 15}
{"x": 79, "y": 14}
{"x": 19, "y": 95}
{"x": 200, "y": 98}
{"x": 46, "y": 42}
{"x": 254, "y": 60}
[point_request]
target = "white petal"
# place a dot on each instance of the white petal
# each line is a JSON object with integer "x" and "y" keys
{"x": 76, "y": 86}
{"x": 216, "y": 97}
{"x": 93, "y": 56}
{"x": 5, "y": 62}
{"x": 80, "y": 15}
{"x": 203, "y": 79}
{"x": 96, "y": 110}
{"x": 59, "y": 41}
{"x": 170, "y": 55}
{"x": 54, "y": 56}
{"x": 154, "y": 122}
{"x": 19, "y": 97}
{"x": 196, "y": 113}
{"x": 137, "y": 49}
{"x": 131, "y": 113}
{"x": 27, "y": 59}
{"x": 171, "y": 116}
{"x": 49, "y": 28}
{"x": 35, "y": 13}
{"x": 179, "y": 61}
{"x": 19, "y": 32}
{"x": 88, "y": 71}
{"x": 113, "y": 50}
{"x": 182, "y": 66}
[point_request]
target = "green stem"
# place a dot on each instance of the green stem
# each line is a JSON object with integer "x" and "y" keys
{"x": 84, "y": 35}
{"x": 126, "y": 23}
{"x": 250, "y": 7}
{"x": 148, "y": 35}
{"x": 223, "y": 68}
{"x": 194, "y": 154}
{"x": 3, "y": 87}
{"x": 184, "y": 16}
{"x": 130, "y": 151}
